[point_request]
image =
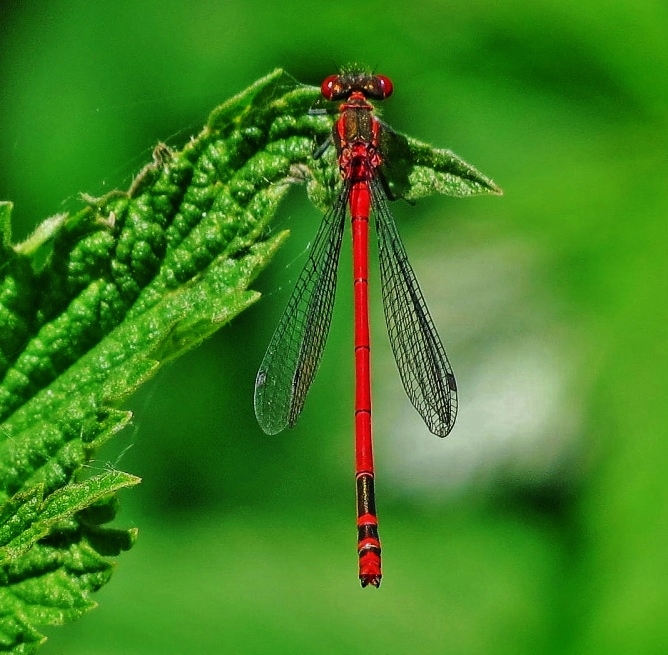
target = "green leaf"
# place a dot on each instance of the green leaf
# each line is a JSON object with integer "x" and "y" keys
{"x": 52, "y": 556}
{"x": 93, "y": 303}
{"x": 414, "y": 169}
{"x": 29, "y": 516}
{"x": 5, "y": 228}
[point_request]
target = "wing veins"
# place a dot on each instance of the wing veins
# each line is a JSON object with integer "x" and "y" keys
{"x": 295, "y": 350}
{"x": 418, "y": 351}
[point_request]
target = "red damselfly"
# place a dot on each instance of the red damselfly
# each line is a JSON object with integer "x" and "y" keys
{"x": 294, "y": 353}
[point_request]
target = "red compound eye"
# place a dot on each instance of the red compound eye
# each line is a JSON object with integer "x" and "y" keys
{"x": 385, "y": 86}
{"x": 331, "y": 87}
{"x": 376, "y": 87}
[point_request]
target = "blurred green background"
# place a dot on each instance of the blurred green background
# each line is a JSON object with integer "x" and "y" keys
{"x": 539, "y": 525}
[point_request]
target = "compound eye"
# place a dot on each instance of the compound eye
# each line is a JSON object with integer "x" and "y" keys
{"x": 385, "y": 86}
{"x": 331, "y": 87}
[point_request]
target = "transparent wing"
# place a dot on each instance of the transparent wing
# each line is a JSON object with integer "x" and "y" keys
{"x": 423, "y": 365}
{"x": 295, "y": 350}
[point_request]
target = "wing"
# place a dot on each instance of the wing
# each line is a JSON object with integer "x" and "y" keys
{"x": 295, "y": 350}
{"x": 423, "y": 365}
